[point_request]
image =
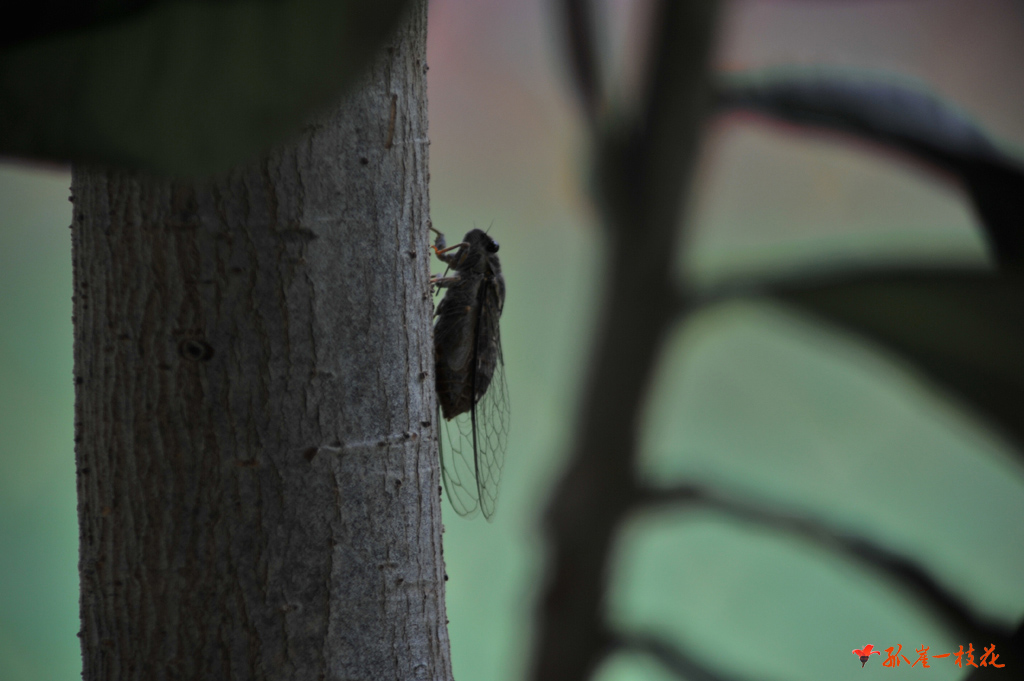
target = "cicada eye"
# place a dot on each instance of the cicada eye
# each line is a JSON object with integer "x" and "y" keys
{"x": 491, "y": 246}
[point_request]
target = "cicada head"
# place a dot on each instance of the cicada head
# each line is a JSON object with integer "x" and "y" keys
{"x": 481, "y": 255}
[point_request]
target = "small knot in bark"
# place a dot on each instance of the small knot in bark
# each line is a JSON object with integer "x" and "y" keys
{"x": 195, "y": 349}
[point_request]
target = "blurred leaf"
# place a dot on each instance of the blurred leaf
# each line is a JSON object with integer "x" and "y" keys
{"x": 45, "y": 17}
{"x": 177, "y": 86}
{"x": 965, "y": 330}
{"x": 905, "y": 118}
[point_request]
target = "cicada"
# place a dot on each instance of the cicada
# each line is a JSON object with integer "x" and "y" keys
{"x": 470, "y": 372}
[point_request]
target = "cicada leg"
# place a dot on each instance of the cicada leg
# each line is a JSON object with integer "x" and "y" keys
{"x": 442, "y": 250}
{"x": 444, "y": 282}
{"x": 439, "y": 241}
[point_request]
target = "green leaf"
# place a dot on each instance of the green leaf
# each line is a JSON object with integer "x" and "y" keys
{"x": 183, "y": 87}
{"x": 964, "y": 330}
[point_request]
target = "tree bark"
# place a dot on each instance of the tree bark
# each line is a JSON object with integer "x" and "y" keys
{"x": 257, "y": 466}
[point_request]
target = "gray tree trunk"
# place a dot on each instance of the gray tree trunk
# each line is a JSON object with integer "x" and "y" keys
{"x": 257, "y": 471}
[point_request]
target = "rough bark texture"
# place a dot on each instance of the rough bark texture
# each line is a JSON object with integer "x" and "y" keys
{"x": 257, "y": 471}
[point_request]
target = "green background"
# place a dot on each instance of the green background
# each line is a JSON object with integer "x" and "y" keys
{"x": 750, "y": 397}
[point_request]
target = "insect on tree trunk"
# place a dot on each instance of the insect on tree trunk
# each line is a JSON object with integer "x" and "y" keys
{"x": 257, "y": 475}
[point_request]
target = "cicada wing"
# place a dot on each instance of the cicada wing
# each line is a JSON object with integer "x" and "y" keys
{"x": 491, "y": 416}
{"x": 475, "y": 442}
{"x": 490, "y": 412}
{"x": 458, "y": 465}
{"x": 473, "y": 446}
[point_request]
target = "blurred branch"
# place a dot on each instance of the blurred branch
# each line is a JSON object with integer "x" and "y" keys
{"x": 904, "y": 119}
{"x": 903, "y": 571}
{"x": 672, "y": 657}
{"x": 643, "y": 168}
{"x": 582, "y": 52}
{"x": 678, "y": 98}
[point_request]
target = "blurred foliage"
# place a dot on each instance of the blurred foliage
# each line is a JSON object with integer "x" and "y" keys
{"x": 961, "y": 329}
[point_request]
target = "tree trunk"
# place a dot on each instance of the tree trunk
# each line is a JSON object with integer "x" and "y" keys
{"x": 257, "y": 466}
